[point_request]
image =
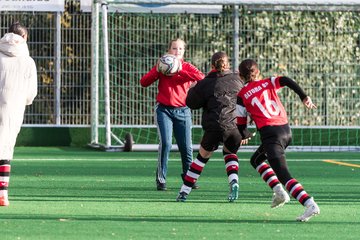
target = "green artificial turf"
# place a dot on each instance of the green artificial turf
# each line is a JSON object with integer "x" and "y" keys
{"x": 77, "y": 193}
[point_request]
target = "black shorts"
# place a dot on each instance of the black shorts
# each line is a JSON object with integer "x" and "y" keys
{"x": 280, "y": 135}
{"x": 231, "y": 139}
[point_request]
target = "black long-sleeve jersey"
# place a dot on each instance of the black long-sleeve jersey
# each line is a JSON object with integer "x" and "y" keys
{"x": 217, "y": 95}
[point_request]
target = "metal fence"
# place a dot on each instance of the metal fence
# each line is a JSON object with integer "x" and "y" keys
{"x": 61, "y": 47}
{"x": 319, "y": 49}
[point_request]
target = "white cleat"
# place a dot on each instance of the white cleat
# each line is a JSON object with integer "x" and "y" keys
{"x": 279, "y": 199}
{"x": 234, "y": 191}
{"x": 311, "y": 210}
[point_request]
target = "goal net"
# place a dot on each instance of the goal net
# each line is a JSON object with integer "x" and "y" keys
{"x": 314, "y": 42}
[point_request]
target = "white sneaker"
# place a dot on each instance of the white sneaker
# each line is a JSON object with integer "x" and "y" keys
{"x": 279, "y": 199}
{"x": 311, "y": 210}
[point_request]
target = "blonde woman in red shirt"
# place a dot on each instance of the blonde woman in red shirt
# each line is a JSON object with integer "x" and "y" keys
{"x": 171, "y": 113}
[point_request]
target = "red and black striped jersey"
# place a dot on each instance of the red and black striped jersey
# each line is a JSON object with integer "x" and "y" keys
{"x": 259, "y": 99}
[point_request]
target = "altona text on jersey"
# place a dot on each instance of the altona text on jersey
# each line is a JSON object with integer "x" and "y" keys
{"x": 255, "y": 90}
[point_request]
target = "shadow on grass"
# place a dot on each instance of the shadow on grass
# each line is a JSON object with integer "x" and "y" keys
{"x": 161, "y": 218}
{"x": 124, "y": 199}
{"x": 149, "y": 194}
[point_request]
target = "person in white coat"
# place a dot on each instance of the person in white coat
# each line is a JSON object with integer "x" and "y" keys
{"x": 18, "y": 88}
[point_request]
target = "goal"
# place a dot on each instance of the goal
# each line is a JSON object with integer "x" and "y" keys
{"x": 314, "y": 42}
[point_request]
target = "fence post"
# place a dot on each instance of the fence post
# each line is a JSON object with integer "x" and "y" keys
{"x": 236, "y": 38}
{"x": 58, "y": 70}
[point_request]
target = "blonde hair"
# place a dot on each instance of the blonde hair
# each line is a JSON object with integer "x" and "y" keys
{"x": 175, "y": 40}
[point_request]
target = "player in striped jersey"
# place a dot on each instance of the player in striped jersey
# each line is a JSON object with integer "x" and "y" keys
{"x": 259, "y": 100}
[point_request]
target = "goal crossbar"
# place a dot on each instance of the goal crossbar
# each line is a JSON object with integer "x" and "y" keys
{"x": 239, "y": 2}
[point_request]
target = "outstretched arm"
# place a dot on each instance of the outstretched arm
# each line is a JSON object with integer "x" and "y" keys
{"x": 308, "y": 103}
{"x": 285, "y": 81}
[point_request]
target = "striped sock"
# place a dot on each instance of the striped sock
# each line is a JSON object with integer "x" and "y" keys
{"x": 268, "y": 175}
{"x": 297, "y": 191}
{"x": 4, "y": 176}
{"x": 232, "y": 167}
{"x": 193, "y": 174}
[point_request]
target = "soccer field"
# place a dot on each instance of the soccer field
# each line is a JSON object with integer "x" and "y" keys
{"x": 77, "y": 193}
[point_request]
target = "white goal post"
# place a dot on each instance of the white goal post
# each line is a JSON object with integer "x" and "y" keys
{"x": 100, "y": 60}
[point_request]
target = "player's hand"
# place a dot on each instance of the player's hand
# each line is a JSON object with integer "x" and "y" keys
{"x": 308, "y": 103}
{"x": 246, "y": 140}
{"x": 173, "y": 74}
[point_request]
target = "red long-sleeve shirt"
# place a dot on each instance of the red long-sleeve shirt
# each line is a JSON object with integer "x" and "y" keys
{"x": 259, "y": 99}
{"x": 172, "y": 90}
{"x": 262, "y": 102}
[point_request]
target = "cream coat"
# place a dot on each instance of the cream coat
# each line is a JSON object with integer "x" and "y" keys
{"x": 18, "y": 88}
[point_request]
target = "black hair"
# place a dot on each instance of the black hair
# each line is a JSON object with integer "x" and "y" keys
{"x": 248, "y": 70}
{"x": 220, "y": 61}
{"x": 18, "y": 29}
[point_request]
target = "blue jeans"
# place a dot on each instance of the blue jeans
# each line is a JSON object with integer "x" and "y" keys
{"x": 169, "y": 120}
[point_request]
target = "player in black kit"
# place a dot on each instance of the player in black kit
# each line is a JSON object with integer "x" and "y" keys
{"x": 216, "y": 95}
